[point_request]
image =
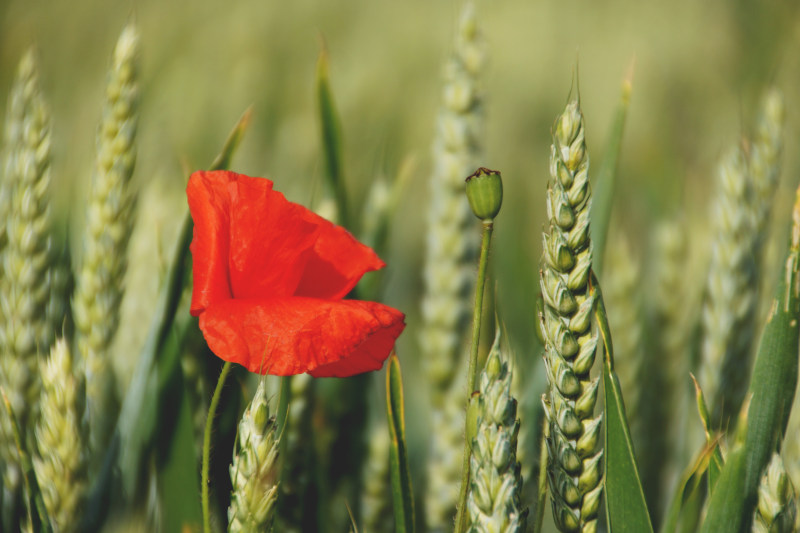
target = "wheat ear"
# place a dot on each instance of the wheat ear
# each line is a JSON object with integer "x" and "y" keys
{"x": 493, "y": 500}
{"x": 254, "y": 472}
{"x": 99, "y": 284}
{"x": 572, "y": 433}
{"x": 448, "y": 272}
{"x": 61, "y": 440}
{"x": 25, "y": 281}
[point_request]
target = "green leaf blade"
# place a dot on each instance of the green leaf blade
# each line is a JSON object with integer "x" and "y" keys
{"x": 626, "y": 508}
{"x": 402, "y": 494}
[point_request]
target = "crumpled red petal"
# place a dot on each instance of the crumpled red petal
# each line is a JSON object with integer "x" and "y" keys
{"x": 289, "y": 336}
{"x": 211, "y": 241}
{"x": 250, "y": 242}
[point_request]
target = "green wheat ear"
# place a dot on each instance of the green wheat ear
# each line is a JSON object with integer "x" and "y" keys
{"x": 493, "y": 501}
{"x": 100, "y": 281}
{"x": 25, "y": 248}
{"x": 254, "y": 472}
{"x": 572, "y": 433}
{"x": 61, "y": 441}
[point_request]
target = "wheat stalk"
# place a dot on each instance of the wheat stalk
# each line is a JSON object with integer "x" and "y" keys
{"x": 99, "y": 284}
{"x": 493, "y": 500}
{"x": 254, "y": 472}
{"x": 61, "y": 462}
{"x": 572, "y": 433}
{"x": 25, "y": 284}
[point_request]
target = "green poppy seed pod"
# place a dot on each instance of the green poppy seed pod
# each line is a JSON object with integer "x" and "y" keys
{"x": 485, "y": 193}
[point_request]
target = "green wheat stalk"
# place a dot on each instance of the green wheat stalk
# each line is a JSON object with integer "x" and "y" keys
{"x": 99, "y": 284}
{"x": 495, "y": 487}
{"x": 61, "y": 441}
{"x": 572, "y": 433}
{"x": 255, "y": 472}
{"x": 25, "y": 283}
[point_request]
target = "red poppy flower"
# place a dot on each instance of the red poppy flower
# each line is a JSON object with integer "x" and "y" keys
{"x": 269, "y": 278}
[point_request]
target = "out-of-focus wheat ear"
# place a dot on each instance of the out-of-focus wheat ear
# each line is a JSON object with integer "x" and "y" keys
{"x": 25, "y": 280}
{"x": 61, "y": 441}
{"x": 448, "y": 272}
{"x": 450, "y": 245}
{"x": 298, "y": 489}
{"x": 668, "y": 333}
{"x": 494, "y": 497}
{"x": 776, "y": 511}
{"x": 623, "y": 301}
{"x": 445, "y": 460}
{"x": 729, "y": 306}
{"x": 765, "y": 154}
{"x": 376, "y": 497}
{"x": 100, "y": 281}
{"x": 255, "y": 472}
{"x": 572, "y": 431}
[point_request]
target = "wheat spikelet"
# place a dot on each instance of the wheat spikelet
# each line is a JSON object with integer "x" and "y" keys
{"x": 99, "y": 284}
{"x": 776, "y": 511}
{"x": 667, "y": 312}
{"x": 765, "y": 152}
{"x": 621, "y": 294}
{"x": 572, "y": 434}
{"x": 493, "y": 500}
{"x": 730, "y": 298}
{"x": 254, "y": 472}
{"x": 747, "y": 184}
{"x": 445, "y": 459}
{"x": 25, "y": 281}
{"x": 61, "y": 462}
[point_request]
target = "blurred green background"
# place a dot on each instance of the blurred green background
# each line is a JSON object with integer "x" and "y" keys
{"x": 699, "y": 68}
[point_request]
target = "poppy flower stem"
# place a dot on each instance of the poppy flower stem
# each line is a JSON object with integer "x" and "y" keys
{"x": 483, "y": 262}
{"x": 212, "y": 411}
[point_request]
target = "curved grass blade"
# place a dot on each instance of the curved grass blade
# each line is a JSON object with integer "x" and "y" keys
{"x": 331, "y": 138}
{"x": 402, "y": 495}
{"x": 772, "y": 389}
{"x": 726, "y": 505}
{"x": 37, "y": 513}
{"x": 626, "y": 510}
{"x": 687, "y": 489}
{"x": 716, "y": 462}
{"x": 605, "y": 182}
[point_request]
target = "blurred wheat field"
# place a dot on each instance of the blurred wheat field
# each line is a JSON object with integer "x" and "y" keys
{"x": 698, "y": 71}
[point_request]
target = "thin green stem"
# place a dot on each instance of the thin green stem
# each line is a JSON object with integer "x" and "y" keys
{"x": 483, "y": 262}
{"x": 212, "y": 410}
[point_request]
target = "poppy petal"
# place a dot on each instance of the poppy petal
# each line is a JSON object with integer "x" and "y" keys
{"x": 271, "y": 240}
{"x": 209, "y": 205}
{"x": 289, "y": 336}
{"x": 337, "y": 263}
